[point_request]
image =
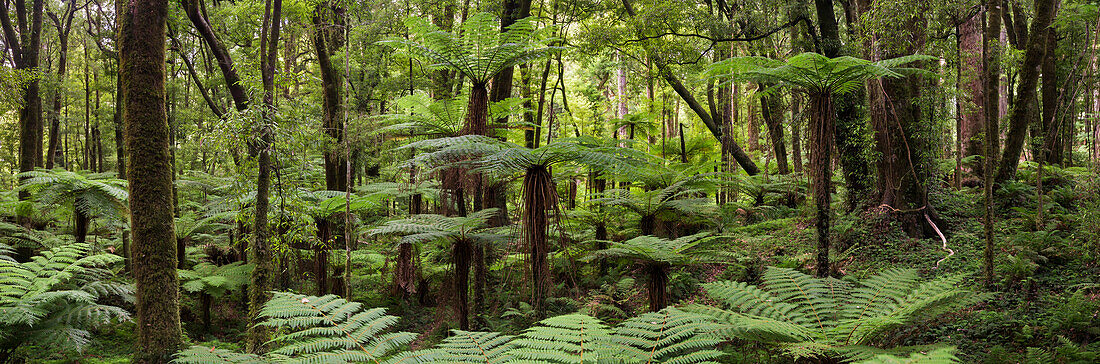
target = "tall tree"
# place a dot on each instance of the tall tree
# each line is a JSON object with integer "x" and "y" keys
{"x": 901, "y": 133}
{"x": 822, "y": 78}
{"x": 64, "y": 25}
{"x": 259, "y": 251}
{"x": 142, "y": 56}
{"x": 970, "y": 79}
{"x": 25, "y": 39}
{"x": 991, "y": 79}
{"x": 851, "y": 127}
{"x": 327, "y": 38}
{"x": 1024, "y": 108}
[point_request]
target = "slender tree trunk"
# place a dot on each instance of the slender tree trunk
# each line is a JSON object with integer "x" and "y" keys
{"x": 773, "y": 117}
{"x": 821, "y": 173}
{"x": 220, "y": 53}
{"x": 461, "y": 257}
{"x": 991, "y": 75}
{"x": 1024, "y": 106}
{"x": 260, "y": 252}
{"x": 796, "y": 132}
{"x": 141, "y": 51}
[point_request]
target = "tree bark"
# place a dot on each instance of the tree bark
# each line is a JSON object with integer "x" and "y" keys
{"x": 221, "y": 54}
{"x": 821, "y": 173}
{"x": 25, "y": 42}
{"x": 850, "y": 129}
{"x": 973, "y": 111}
{"x": 991, "y": 75}
{"x": 1024, "y": 106}
{"x": 773, "y": 118}
{"x": 260, "y": 252}
{"x": 141, "y": 52}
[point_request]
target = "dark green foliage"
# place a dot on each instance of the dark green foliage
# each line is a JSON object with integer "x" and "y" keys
{"x": 810, "y": 317}
{"x": 56, "y": 299}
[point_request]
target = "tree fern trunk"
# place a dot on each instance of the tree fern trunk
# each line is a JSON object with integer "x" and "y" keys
{"x": 821, "y": 173}
{"x": 658, "y": 286}
{"x": 539, "y": 195}
{"x": 80, "y": 225}
{"x": 460, "y": 255}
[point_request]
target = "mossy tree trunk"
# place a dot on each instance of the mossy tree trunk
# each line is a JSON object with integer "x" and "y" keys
{"x": 141, "y": 53}
{"x": 259, "y": 251}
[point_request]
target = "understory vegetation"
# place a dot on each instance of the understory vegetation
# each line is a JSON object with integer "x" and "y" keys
{"x": 555, "y": 181}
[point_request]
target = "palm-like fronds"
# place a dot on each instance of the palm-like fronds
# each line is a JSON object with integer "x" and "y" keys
{"x": 468, "y": 347}
{"x": 314, "y": 329}
{"x": 479, "y": 50}
{"x": 52, "y": 300}
{"x": 94, "y": 194}
{"x": 808, "y": 316}
{"x": 816, "y": 73}
{"x": 566, "y": 339}
{"x": 668, "y": 336}
{"x": 649, "y": 249}
{"x": 213, "y": 279}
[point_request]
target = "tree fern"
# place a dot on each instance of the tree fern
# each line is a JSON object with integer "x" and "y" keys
{"x": 656, "y": 256}
{"x": 810, "y": 317}
{"x": 478, "y": 50}
{"x": 667, "y": 336}
{"x": 53, "y": 299}
{"x": 468, "y": 347}
{"x": 87, "y": 194}
{"x": 312, "y": 329}
{"x": 566, "y": 339}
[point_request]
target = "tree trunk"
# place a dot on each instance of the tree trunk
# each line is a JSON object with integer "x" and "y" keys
{"x": 1053, "y": 127}
{"x": 24, "y": 43}
{"x": 850, "y": 129}
{"x": 657, "y": 286}
{"x": 796, "y": 132}
{"x": 991, "y": 75}
{"x": 821, "y": 173}
{"x": 539, "y": 196}
{"x": 773, "y": 118}
{"x": 260, "y": 253}
{"x": 220, "y": 53}
{"x": 332, "y": 106}
{"x": 80, "y": 224}
{"x": 206, "y": 301}
{"x": 1024, "y": 106}
{"x": 973, "y": 113}
{"x": 461, "y": 256}
{"x": 141, "y": 52}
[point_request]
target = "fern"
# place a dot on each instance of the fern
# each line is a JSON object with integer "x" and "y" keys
{"x": 470, "y": 347}
{"x": 938, "y": 356}
{"x": 809, "y": 317}
{"x": 479, "y": 50}
{"x": 314, "y": 329}
{"x": 668, "y": 336}
{"x": 95, "y": 194}
{"x": 53, "y": 299}
{"x": 566, "y": 339}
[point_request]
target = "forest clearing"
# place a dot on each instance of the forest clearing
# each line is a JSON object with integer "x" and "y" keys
{"x": 550, "y": 181}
